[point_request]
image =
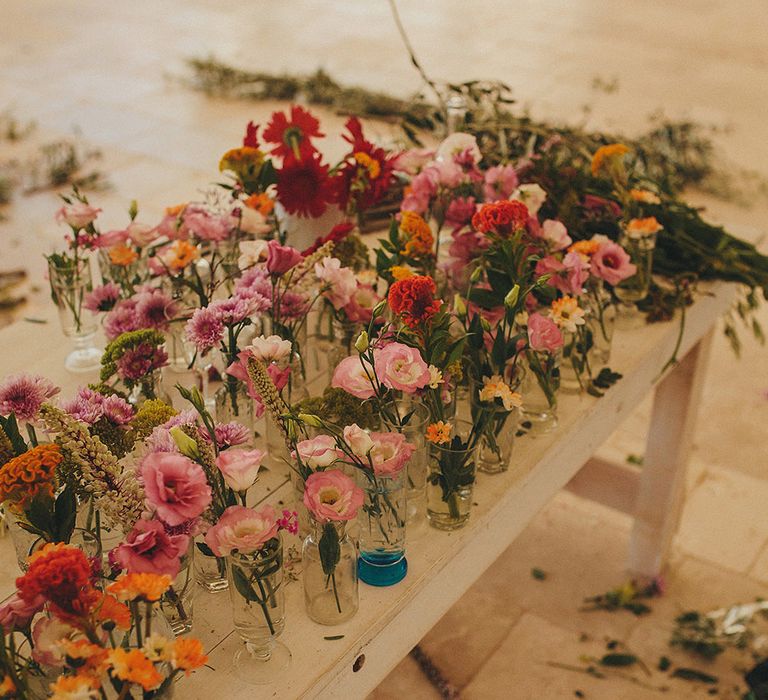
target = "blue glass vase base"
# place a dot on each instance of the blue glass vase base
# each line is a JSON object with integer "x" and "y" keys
{"x": 385, "y": 569}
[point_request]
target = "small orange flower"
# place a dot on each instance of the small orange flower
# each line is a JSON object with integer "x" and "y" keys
{"x": 122, "y": 255}
{"x": 144, "y": 586}
{"x": 607, "y": 154}
{"x": 180, "y": 254}
{"x": 93, "y": 656}
{"x": 261, "y": 202}
{"x": 439, "y": 433}
{"x": 637, "y": 228}
{"x": 420, "y": 239}
{"x": 7, "y": 687}
{"x": 371, "y": 165}
{"x": 29, "y": 474}
{"x": 401, "y": 272}
{"x": 586, "y": 249}
{"x": 175, "y": 210}
{"x": 133, "y": 666}
{"x": 188, "y": 654}
{"x": 645, "y": 196}
{"x": 79, "y": 687}
{"x": 112, "y": 610}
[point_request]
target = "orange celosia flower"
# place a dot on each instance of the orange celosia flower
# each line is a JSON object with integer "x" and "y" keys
{"x": 122, "y": 255}
{"x": 7, "y": 687}
{"x": 401, "y": 272}
{"x": 179, "y": 255}
{"x": 643, "y": 227}
{"x": 645, "y": 196}
{"x": 584, "y": 248}
{"x": 144, "y": 586}
{"x": 188, "y": 654}
{"x": 371, "y": 165}
{"x": 30, "y": 474}
{"x": 439, "y": 433}
{"x": 91, "y": 656}
{"x": 79, "y": 687}
{"x": 420, "y": 239}
{"x": 607, "y": 154}
{"x": 112, "y": 610}
{"x": 261, "y": 202}
{"x": 133, "y": 666}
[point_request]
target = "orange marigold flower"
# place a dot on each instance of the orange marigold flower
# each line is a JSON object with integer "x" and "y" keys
{"x": 122, "y": 255}
{"x": 439, "y": 433}
{"x": 93, "y": 655}
{"x": 7, "y": 687}
{"x": 180, "y": 254}
{"x": 420, "y": 240}
{"x": 586, "y": 249}
{"x": 112, "y": 610}
{"x": 29, "y": 474}
{"x": 133, "y": 666}
{"x": 401, "y": 272}
{"x": 140, "y": 585}
{"x": 645, "y": 196}
{"x": 612, "y": 151}
{"x": 372, "y": 166}
{"x": 188, "y": 654}
{"x": 637, "y": 228}
{"x": 261, "y": 202}
{"x": 79, "y": 687}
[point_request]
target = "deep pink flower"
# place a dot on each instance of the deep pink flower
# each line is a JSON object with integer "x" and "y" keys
{"x": 205, "y": 329}
{"x": 500, "y": 182}
{"x": 206, "y": 226}
{"x": 23, "y": 394}
{"x": 401, "y": 367}
{"x": 16, "y": 613}
{"x": 154, "y": 309}
{"x": 281, "y": 258}
{"x": 612, "y": 263}
{"x": 148, "y": 548}
{"x": 175, "y": 486}
{"x": 121, "y": 319}
{"x": 460, "y": 211}
{"x": 242, "y": 529}
{"x": 102, "y": 298}
{"x": 543, "y": 334}
{"x": 332, "y": 495}
{"x": 135, "y": 363}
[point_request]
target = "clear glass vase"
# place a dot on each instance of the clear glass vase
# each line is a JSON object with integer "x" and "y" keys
{"x": 210, "y": 570}
{"x": 341, "y": 343}
{"x": 149, "y": 387}
{"x": 382, "y": 521}
{"x": 578, "y": 358}
{"x": 70, "y": 282}
{"x": 330, "y": 589}
{"x": 177, "y": 603}
{"x": 256, "y": 590}
{"x": 540, "y": 389}
{"x": 233, "y": 403}
{"x": 418, "y": 465}
{"x": 640, "y": 248}
{"x": 451, "y": 479}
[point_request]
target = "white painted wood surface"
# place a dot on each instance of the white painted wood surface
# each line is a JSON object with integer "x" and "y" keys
{"x": 441, "y": 565}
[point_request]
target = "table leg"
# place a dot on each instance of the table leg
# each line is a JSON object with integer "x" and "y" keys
{"x": 662, "y": 483}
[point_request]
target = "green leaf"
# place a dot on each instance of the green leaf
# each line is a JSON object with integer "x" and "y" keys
{"x": 11, "y": 429}
{"x": 330, "y": 550}
{"x": 205, "y": 549}
{"x": 244, "y": 588}
{"x": 691, "y": 674}
{"x": 538, "y": 574}
{"x": 618, "y": 660}
{"x": 64, "y": 513}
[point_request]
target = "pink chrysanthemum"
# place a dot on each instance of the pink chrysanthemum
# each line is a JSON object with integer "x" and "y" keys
{"x": 102, "y": 298}
{"x": 136, "y": 363}
{"x": 236, "y": 309}
{"x": 228, "y": 434}
{"x": 23, "y": 394}
{"x": 154, "y": 309}
{"x": 86, "y": 407}
{"x": 121, "y": 319}
{"x": 205, "y": 329}
{"x": 117, "y": 410}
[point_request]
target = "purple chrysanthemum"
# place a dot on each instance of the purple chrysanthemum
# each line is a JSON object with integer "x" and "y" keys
{"x": 205, "y": 329}
{"x": 23, "y": 394}
{"x": 102, "y": 298}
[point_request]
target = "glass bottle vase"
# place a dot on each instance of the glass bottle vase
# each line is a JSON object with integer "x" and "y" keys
{"x": 177, "y": 603}
{"x": 329, "y": 570}
{"x": 382, "y": 521}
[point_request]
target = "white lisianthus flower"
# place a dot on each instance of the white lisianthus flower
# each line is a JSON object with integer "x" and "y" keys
{"x": 532, "y": 195}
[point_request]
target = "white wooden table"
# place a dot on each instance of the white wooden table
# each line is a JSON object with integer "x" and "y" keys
{"x": 443, "y": 565}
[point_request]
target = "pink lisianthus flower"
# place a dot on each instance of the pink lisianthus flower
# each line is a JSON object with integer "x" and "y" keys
{"x": 102, "y": 298}
{"x": 77, "y": 215}
{"x": 555, "y": 233}
{"x": 175, "y": 487}
{"x": 458, "y": 144}
{"x": 239, "y": 467}
{"x": 205, "y": 329}
{"x": 340, "y": 282}
{"x": 142, "y": 234}
{"x": 47, "y": 635}
{"x": 271, "y": 349}
{"x": 359, "y": 440}
{"x": 401, "y": 367}
{"x": 500, "y": 182}
{"x": 149, "y": 549}
{"x": 206, "y": 226}
{"x": 281, "y": 258}
{"x": 543, "y": 334}
{"x": 16, "y": 613}
{"x": 239, "y": 370}
{"x": 242, "y": 529}
{"x": 23, "y": 394}
{"x": 412, "y": 160}
{"x": 612, "y": 263}
{"x": 332, "y": 495}
{"x": 390, "y": 453}
{"x": 359, "y": 309}
{"x": 110, "y": 239}
{"x": 350, "y": 375}
{"x": 318, "y": 452}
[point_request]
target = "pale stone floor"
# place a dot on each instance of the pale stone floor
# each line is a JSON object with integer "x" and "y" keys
{"x": 108, "y": 70}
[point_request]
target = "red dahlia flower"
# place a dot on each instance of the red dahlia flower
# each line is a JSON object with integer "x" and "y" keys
{"x": 414, "y": 300}
{"x": 293, "y": 138}
{"x": 504, "y": 217}
{"x": 304, "y": 187}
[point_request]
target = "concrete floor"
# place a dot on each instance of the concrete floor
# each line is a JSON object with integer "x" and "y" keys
{"x": 109, "y": 70}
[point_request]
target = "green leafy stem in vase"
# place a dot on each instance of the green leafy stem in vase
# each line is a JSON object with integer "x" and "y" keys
{"x": 455, "y": 469}
{"x": 330, "y": 555}
{"x": 253, "y": 580}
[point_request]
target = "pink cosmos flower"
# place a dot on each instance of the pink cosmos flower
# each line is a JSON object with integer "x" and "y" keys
{"x": 340, "y": 282}
{"x": 206, "y": 226}
{"x": 102, "y": 298}
{"x": 390, "y": 453}
{"x": 332, "y": 495}
{"x": 500, "y": 182}
{"x": 281, "y": 258}
{"x": 543, "y": 334}
{"x": 205, "y": 329}
{"x": 318, "y": 452}
{"x": 16, "y": 613}
{"x": 175, "y": 486}
{"x": 117, "y": 410}
{"x": 555, "y": 233}
{"x": 242, "y": 529}
{"x": 612, "y": 263}
{"x": 77, "y": 215}
{"x": 149, "y": 549}
{"x": 401, "y": 367}
{"x": 240, "y": 467}
{"x": 23, "y": 394}
{"x": 359, "y": 440}
{"x": 351, "y": 376}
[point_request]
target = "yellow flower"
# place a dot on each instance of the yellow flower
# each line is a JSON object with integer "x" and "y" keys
{"x": 637, "y": 228}
{"x": 439, "y": 433}
{"x": 420, "y": 240}
{"x": 144, "y": 586}
{"x": 122, "y": 255}
{"x": 435, "y": 377}
{"x": 645, "y": 196}
{"x": 157, "y": 647}
{"x": 496, "y": 388}
{"x": 371, "y": 165}
{"x": 244, "y": 159}
{"x": 401, "y": 272}
{"x": 566, "y": 313}
{"x": 607, "y": 154}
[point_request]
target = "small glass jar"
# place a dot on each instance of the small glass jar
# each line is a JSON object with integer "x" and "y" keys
{"x": 540, "y": 389}
{"x": 210, "y": 570}
{"x": 602, "y": 310}
{"x": 177, "y": 603}
{"x": 640, "y": 247}
{"x": 330, "y": 590}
